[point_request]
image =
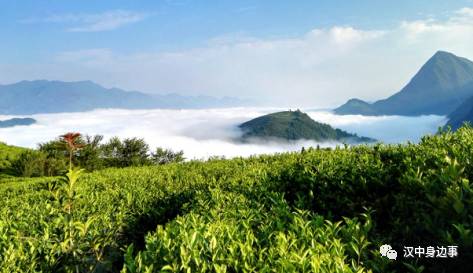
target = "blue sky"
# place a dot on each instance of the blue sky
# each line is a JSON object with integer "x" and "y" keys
{"x": 176, "y": 24}
{"x": 206, "y": 47}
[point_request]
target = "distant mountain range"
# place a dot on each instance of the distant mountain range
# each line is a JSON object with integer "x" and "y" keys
{"x": 41, "y": 96}
{"x": 440, "y": 86}
{"x": 294, "y": 125}
{"x": 16, "y": 122}
{"x": 443, "y": 86}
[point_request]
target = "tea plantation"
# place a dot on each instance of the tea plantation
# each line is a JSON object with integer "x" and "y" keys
{"x": 7, "y": 155}
{"x": 318, "y": 210}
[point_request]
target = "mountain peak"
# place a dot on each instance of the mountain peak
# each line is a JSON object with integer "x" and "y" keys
{"x": 443, "y": 72}
{"x": 355, "y": 107}
{"x": 443, "y": 54}
{"x": 439, "y": 87}
{"x": 447, "y": 60}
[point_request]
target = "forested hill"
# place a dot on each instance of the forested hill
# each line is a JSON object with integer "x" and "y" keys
{"x": 295, "y": 125}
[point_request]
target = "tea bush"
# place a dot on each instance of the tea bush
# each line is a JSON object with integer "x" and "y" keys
{"x": 317, "y": 210}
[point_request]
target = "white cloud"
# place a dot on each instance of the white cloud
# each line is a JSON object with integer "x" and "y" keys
{"x": 244, "y": 67}
{"x": 105, "y": 21}
{"x": 207, "y": 132}
{"x": 455, "y": 30}
{"x": 389, "y": 129}
{"x": 466, "y": 12}
{"x": 322, "y": 68}
{"x": 346, "y": 36}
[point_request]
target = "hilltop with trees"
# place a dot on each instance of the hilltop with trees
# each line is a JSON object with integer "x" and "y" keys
{"x": 50, "y": 158}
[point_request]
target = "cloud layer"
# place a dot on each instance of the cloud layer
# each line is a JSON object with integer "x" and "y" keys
{"x": 96, "y": 22}
{"x": 209, "y": 132}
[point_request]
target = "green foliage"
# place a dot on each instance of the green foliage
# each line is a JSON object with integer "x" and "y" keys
{"x": 30, "y": 164}
{"x": 7, "y": 155}
{"x": 51, "y": 158}
{"x": 89, "y": 156}
{"x": 134, "y": 152}
{"x": 56, "y": 152}
{"x": 234, "y": 233}
{"x": 126, "y": 153}
{"x": 69, "y": 242}
{"x": 164, "y": 156}
{"x": 320, "y": 210}
{"x": 35, "y": 163}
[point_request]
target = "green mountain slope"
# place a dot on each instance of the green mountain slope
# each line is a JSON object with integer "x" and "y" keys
{"x": 440, "y": 86}
{"x": 7, "y": 155}
{"x": 294, "y": 125}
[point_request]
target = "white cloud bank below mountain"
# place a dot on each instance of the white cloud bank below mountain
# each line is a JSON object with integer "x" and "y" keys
{"x": 209, "y": 132}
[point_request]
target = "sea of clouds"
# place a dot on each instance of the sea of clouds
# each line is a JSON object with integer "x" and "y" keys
{"x": 208, "y": 132}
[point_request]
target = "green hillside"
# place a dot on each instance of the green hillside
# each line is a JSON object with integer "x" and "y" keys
{"x": 7, "y": 155}
{"x": 325, "y": 210}
{"x": 294, "y": 125}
